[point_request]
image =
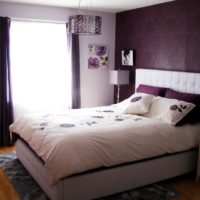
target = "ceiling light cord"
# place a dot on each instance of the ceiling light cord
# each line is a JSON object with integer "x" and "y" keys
{"x": 87, "y": 8}
{"x": 79, "y": 4}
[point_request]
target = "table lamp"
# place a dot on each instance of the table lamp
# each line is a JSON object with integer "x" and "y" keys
{"x": 119, "y": 77}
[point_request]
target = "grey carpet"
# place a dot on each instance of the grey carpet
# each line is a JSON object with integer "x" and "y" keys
{"x": 28, "y": 189}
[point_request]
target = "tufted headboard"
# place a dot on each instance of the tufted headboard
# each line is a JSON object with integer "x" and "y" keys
{"x": 181, "y": 81}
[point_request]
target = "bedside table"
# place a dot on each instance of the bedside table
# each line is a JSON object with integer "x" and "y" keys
{"x": 198, "y": 165}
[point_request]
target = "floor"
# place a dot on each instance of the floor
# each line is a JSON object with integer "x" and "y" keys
{"x": 186, "y": 185}
{"x": 7, "y": 192}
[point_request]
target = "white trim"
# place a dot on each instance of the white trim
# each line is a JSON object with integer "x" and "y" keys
{"x": 37, "y": 20}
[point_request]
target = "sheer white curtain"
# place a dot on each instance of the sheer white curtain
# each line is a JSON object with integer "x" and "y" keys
{"x": 40, "y": 67}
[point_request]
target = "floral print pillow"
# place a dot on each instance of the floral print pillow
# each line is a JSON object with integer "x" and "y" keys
{"x": 138, "y": 103}
{"x": 170, "y": 111}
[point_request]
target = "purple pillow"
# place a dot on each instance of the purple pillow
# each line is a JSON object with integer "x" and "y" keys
{"x": 157, "y": 91}
{"x": 193, "y": 116}
{"x": 189, "y": 97}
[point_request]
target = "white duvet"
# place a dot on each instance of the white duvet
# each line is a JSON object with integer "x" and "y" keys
{"x": 79, "y": 140}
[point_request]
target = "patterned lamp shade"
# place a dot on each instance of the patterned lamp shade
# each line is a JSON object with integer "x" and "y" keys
{"x": 85, "y": 24}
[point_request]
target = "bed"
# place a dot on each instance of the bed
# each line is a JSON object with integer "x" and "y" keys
{"x": 110, "y": 179}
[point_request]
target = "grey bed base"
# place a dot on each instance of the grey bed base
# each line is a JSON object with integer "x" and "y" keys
{"x": 107, "y": 181}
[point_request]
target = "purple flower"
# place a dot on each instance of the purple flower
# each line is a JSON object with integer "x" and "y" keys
{"x": 138, "y": 119}
{"x": 65, "y": 125}
{"x": 108, "y": 111}
{"x": 173, "y": 107}
{"x": 118, "y": 119}
{"x": 99, "y": 117}
{"x": 44, "y": 124}
{"x": 93, "y": 63}
{"x": 100, "y": 50}
{"x": 135, "y": 99}
{"x": 91, "y": 123}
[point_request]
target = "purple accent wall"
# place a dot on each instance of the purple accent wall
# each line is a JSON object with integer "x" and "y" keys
{"x": 164, "y": 36}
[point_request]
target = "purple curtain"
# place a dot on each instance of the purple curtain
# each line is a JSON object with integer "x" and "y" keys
{"x": 6, "y": 110}
{"x": 73, "y": 44}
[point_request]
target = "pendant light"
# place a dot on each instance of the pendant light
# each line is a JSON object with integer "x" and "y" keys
{"x": 84, "y": 24}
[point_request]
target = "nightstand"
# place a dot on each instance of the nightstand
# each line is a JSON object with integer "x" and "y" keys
{"x": 198, "y": 165}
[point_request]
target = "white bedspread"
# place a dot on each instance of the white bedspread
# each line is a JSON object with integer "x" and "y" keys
{"x": 79, "y": 140}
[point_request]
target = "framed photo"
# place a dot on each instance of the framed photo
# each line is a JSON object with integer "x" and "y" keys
{"x": 97, "y": 56}
{"x": 127, "y": 58}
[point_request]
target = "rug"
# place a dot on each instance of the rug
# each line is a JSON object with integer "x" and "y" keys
{"x": 28, "y": 189}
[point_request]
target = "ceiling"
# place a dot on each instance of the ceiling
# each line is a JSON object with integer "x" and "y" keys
{"x": 99, "y": 5}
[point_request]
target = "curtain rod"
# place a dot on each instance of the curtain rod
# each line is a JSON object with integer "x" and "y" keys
{"x": 37, "y": 20}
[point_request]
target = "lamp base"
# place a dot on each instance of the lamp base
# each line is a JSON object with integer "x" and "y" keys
{"x": 118, "y": 92}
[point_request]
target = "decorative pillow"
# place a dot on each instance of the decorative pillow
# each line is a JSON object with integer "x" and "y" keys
{"x": 157, "y": 91}
{"x": 138, "y": 103}
{"x": 169, "y": 110}
{"x": 189, "y": 97}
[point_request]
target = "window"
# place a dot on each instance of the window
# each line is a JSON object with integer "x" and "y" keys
{"x": 40, "y": 67}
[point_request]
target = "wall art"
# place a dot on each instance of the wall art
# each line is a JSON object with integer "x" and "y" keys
{"x": 97, "y": 56}
{"x": 127, "y": 57}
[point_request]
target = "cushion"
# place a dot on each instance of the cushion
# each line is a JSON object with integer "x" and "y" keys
{"x": 169, "y": 110}
{"x": 157, "y": 91}
{"x": 189, "y": 97}
{"x": 138, "y": 103}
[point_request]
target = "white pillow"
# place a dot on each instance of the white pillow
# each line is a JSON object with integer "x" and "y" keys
{"x": 169, "y": 110}
{"x": 138, "y": 103}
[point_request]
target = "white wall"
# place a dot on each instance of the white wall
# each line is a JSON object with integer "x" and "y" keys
{"x": 95, "y": 88}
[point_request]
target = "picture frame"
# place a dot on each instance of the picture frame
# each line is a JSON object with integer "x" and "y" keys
{"x": 97, "y": 56}
{"x": 127, "y": 57}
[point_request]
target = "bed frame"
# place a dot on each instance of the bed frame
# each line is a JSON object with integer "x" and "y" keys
{"x": 103, "y": 182}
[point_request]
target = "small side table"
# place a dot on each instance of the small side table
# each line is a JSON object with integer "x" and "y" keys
{"x": 198, "y": 165}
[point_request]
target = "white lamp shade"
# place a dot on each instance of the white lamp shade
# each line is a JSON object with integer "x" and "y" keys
{"x": 119, "y": 77}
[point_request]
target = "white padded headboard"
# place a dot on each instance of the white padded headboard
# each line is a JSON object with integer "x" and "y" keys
{"x": 181, "y": 81}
